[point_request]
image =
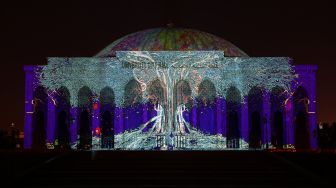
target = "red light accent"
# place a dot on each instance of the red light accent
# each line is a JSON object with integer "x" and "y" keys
{"x": 95, "y": 106}
{"x": 97, "y": 131}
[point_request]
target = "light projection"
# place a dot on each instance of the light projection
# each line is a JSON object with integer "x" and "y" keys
{"x": 159, "y": 92}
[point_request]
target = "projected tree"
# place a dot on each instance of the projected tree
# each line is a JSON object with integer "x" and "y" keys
{"x": 199, "y": 70}
{"x": 169, "y": 80}
{"x": 178, "y": 75}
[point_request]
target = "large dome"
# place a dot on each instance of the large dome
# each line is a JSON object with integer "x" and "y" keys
{"x": 171, "y": 39}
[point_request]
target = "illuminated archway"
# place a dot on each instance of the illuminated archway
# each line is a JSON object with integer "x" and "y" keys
{"x": 300, "y": 104}
{"x": 278, "y": 98}
{"x": 233, "y": 107}
{"x": 156, "y": 97}
{"x": 106, "y": 100}
{"x": 182, "y": 96}
{"x": 182, "y": 92}
{"x": 132, "y": 105}
{"x": 255, "y": 106}
{"x": 207, "y": 106}
{"x": 40, "y": 100}
{"x": 85, "y": 109}
{"x": 63, "y": 118}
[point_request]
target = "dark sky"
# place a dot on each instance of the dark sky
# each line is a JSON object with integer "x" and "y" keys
{"x": 30, "y": 32}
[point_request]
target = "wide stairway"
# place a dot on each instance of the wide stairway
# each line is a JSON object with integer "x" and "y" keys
{"x": 169, "y": 169}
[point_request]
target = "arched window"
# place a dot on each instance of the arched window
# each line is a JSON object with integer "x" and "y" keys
{"x": 182, "y": 92}
{"x": 206, "y": 101}
{"x": 156, "y": 96}
{"x": 255, "y": 103}
{"x": 132, "y": 105}
{"x": 156, "y": 92}
{"x": 233, "y": 107}
{"x": 40, "y": 100}
{"x": 107, "y": 130}
{"x": 182, "y": 96}
{"x": 133, "y": 93}
{"x": 300, "y": 104}
{"x": 106, "y": 100}
{"x": 278, "y": 98}
{"x": 85, "y": 109}
{"x": 63, "y": 117}
{"x": 106, "y": 97}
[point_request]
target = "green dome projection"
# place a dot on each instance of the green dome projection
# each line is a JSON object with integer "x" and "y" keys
{"x": 171, "y": 39}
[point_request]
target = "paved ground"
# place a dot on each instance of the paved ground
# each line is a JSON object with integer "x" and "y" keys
{"x": 167, "y": 169}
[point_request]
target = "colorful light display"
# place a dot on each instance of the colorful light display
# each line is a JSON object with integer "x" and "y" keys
{"x": 169, "y": 68}
{"x": 170, "y": 89}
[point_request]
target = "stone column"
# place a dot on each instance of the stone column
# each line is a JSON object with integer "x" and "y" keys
{"x": 95, "y": 124}
{"x": 266, "y": 121}
{"x": 51, "y": 125}
{"x": 312, "y": 109}
{"x": 194, "y": 116}
{"x": 219, "y": 114}
{"x": 73, "y": 125}
{"x": 244, "y": 122}
{"x": 95, "y": 116}
{"x": 289, "y": 126}
{"x": 28, "y": 118}
{"x": 224, "y": 119}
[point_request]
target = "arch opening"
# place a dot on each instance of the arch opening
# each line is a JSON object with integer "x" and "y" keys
{"x": 206, "y": 104}
{"x": 40, "y": 100}
{"x": 255, "y": 102}
{"x": 300, "y": 101}
{"x": 233, "y": 107}
{"x": 278, "y": 98}
{"x": 181, "y": 105}
{"x": 156, "y": 105}
{"x": 107, "y": 116}
{"x": 132, "y": 105}
{"x": 63, "y": 118}
{"x": 85, "y": 104}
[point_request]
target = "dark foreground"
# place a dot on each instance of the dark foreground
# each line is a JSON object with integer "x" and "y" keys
{"x": 167, "y": 169}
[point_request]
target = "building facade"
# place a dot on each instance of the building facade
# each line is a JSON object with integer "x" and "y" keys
{"x": 236, "y": 117}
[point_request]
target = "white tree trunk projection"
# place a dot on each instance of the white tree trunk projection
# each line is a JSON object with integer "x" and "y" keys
{"x": 177, "y": 72}
{"x": 170, "y": 68}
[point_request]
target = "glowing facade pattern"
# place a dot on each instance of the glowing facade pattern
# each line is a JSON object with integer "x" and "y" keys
{"x": 169, "y": 67}
{"x": 170, "y": 100}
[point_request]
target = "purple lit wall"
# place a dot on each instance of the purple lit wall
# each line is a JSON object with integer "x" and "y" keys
{"x": 307, "y": 78}
{"x": 217, "y": 114}
{"x": 29, "y": 70}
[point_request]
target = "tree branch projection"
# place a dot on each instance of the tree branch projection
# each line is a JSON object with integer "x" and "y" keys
{"x": 172, "y": 78}
{"x": 95, "y": 73}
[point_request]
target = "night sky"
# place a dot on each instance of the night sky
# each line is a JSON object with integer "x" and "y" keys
{"x": 30, "y": 32}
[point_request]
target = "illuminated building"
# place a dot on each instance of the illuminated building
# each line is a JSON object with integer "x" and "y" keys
{"x": 170, "y": 88}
